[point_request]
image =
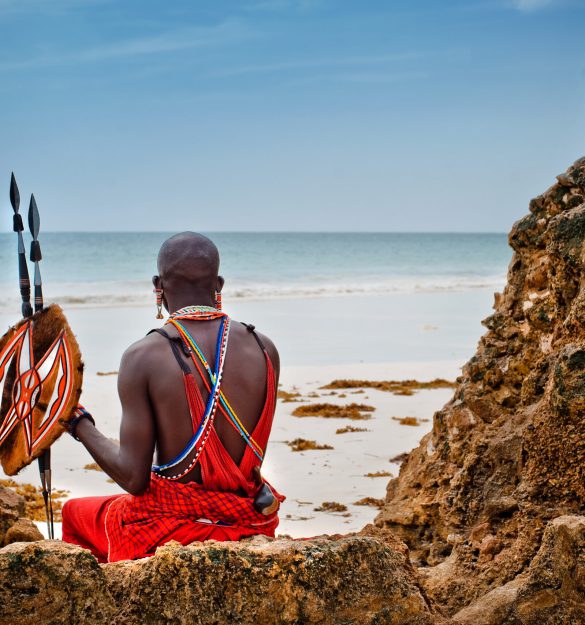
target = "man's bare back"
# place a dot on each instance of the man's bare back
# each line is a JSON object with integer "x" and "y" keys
{"x": 150, "y": 362}
{"x": 155, "y": 413}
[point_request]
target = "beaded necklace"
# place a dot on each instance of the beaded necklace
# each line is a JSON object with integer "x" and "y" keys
{"x": 197, "y": 313}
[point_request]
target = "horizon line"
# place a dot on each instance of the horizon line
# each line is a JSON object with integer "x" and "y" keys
{"x": 273, "y": 232}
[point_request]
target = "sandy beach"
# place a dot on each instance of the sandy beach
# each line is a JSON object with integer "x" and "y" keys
{"x": 311, "y": 477}
{"x": 354, "y": 326}
{"x": 307, "y": 478}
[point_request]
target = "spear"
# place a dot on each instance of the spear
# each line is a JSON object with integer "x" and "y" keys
{"x": 34, "y": 224}
{"x": 18, "y": 227}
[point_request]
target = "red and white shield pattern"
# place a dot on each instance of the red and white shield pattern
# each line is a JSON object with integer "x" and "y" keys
{"x": 49, "y": 380}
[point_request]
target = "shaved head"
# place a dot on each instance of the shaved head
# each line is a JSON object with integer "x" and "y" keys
{"x": 189, "y": 261}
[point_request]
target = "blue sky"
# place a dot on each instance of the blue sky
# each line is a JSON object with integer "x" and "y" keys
{"x": 289, "y": 114}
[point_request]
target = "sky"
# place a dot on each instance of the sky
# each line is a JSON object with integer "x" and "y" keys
{"x": 288, "y": 115}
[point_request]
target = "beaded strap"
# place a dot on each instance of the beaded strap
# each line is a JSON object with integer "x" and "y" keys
{"x": 228, "y": 410}
{"x": 200, "y": 437}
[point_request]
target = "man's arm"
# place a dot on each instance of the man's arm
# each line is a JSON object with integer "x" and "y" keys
{"x": 128, "y": 463}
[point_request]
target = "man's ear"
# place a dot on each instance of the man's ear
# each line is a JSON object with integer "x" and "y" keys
{"x": 156, "y": 281}
{"x": 220, "y": 283}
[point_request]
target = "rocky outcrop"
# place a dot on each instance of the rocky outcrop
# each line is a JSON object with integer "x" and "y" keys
{"x": 11, "y": 508}
{"x": 355, "y": 579}
{"x": 550, "y": 592}
{"x": 13, "y": 526}
{"x": 52, "y": 582}
{"x": 506, "y": 455}
{"x": 24, "y": 530}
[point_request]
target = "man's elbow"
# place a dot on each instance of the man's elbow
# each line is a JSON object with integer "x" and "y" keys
{"x": 137, "y": 485}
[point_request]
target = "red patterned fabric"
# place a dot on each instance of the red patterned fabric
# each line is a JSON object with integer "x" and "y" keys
{"x": 134, "y": 526}
{"x": 84, "y": 524}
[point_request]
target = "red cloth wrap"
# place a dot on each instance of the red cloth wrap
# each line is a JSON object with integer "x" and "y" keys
{"x": 126, "y": 527}
{"x": 135, "y": 526}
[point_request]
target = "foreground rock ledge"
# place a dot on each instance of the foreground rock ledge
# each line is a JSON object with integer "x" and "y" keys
{"x": 355, "y": 579}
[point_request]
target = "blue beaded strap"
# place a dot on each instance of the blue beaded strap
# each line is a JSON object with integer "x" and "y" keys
{"x": 221, "y": 346}
{"x": 227, "y": 409}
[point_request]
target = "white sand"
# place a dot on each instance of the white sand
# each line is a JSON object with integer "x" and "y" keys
{"x": 421, "y": 327}
{"x": 306, "y": 478}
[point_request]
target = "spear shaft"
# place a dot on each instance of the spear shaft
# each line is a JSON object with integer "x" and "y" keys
{"x": 27, "y": 311}
{"x": 34, "y": 224}
{"x": 18, "y": 227}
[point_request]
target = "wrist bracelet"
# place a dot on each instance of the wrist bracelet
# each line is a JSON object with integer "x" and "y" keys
{"x": 80, "y": 413}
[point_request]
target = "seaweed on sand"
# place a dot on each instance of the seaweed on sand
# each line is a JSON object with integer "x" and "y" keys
{"x": 398, "y": 387}
{"x": 334, "y": 411}
{"x": 34, "y": 504}
{"x": 302, "y": 444}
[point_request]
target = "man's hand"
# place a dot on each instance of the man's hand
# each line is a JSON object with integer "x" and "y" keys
{"x": 79, "y": 413}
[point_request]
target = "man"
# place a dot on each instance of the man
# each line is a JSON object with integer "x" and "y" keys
{"x": 203, "y": 403}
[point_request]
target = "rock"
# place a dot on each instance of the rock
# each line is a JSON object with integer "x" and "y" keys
{"x": 550, "y": 592}
{"x": 24, "y": 530}
{"x": 490, "y": 546}
{"x": 354, "y": 579}
{"x": 52, "y": 582}
{"x": 11, "y": 508}
{"x": 508, "y": 451}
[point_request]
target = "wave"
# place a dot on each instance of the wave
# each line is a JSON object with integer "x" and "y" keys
{"x": 139, "y": 293}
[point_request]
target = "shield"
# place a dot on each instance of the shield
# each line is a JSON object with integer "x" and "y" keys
{"x": 41, "y": 374}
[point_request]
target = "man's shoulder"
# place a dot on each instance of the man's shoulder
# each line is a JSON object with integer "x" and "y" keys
{"x": 140, "y": 352}
{"x": 264, "y": 339}
{"x": 246, "y": 328}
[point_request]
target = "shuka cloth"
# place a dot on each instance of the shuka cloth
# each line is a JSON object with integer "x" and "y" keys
{"x": 125, "y": 527}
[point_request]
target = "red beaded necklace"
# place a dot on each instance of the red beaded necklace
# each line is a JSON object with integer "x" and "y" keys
{"x": 197, "y": 313}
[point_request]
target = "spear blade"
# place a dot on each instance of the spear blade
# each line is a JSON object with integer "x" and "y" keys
{"x": 34, "y": 219}
{"x": 34, "y": 224}
{"x": 18, "y": 227}
{"x": 14, "y": 194}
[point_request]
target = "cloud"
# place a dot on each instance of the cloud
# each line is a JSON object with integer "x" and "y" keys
{"x": 42, "y": 6}
{"x": 359, "y": 77}
{"x": 285, "y": 5}
{"x": 269, "y": 5}
{"x": 170, "y": 41}
{"x": 351, "y": 61}
{"x": 227, "y": 32}
{"x": 523, "y": 6}
{"x": 379, "y": 77}
{"x": 528, "y": 6}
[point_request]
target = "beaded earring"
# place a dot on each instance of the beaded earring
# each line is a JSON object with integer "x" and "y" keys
{"x": 218, "y": 300}
{"x": 159, "y": 297}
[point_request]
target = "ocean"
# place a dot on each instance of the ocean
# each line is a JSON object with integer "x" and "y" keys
{"x": 115, "y": 269}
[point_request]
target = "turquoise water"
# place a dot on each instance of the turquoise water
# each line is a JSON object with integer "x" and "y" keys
{"x": 114, "y": 269}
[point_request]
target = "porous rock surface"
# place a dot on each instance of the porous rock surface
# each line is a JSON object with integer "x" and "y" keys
{"x": 13, "y": 526}
{"x": 551, "y": 591}
{"x": 354, "y": 579}
{"x": 490, "y": 492}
